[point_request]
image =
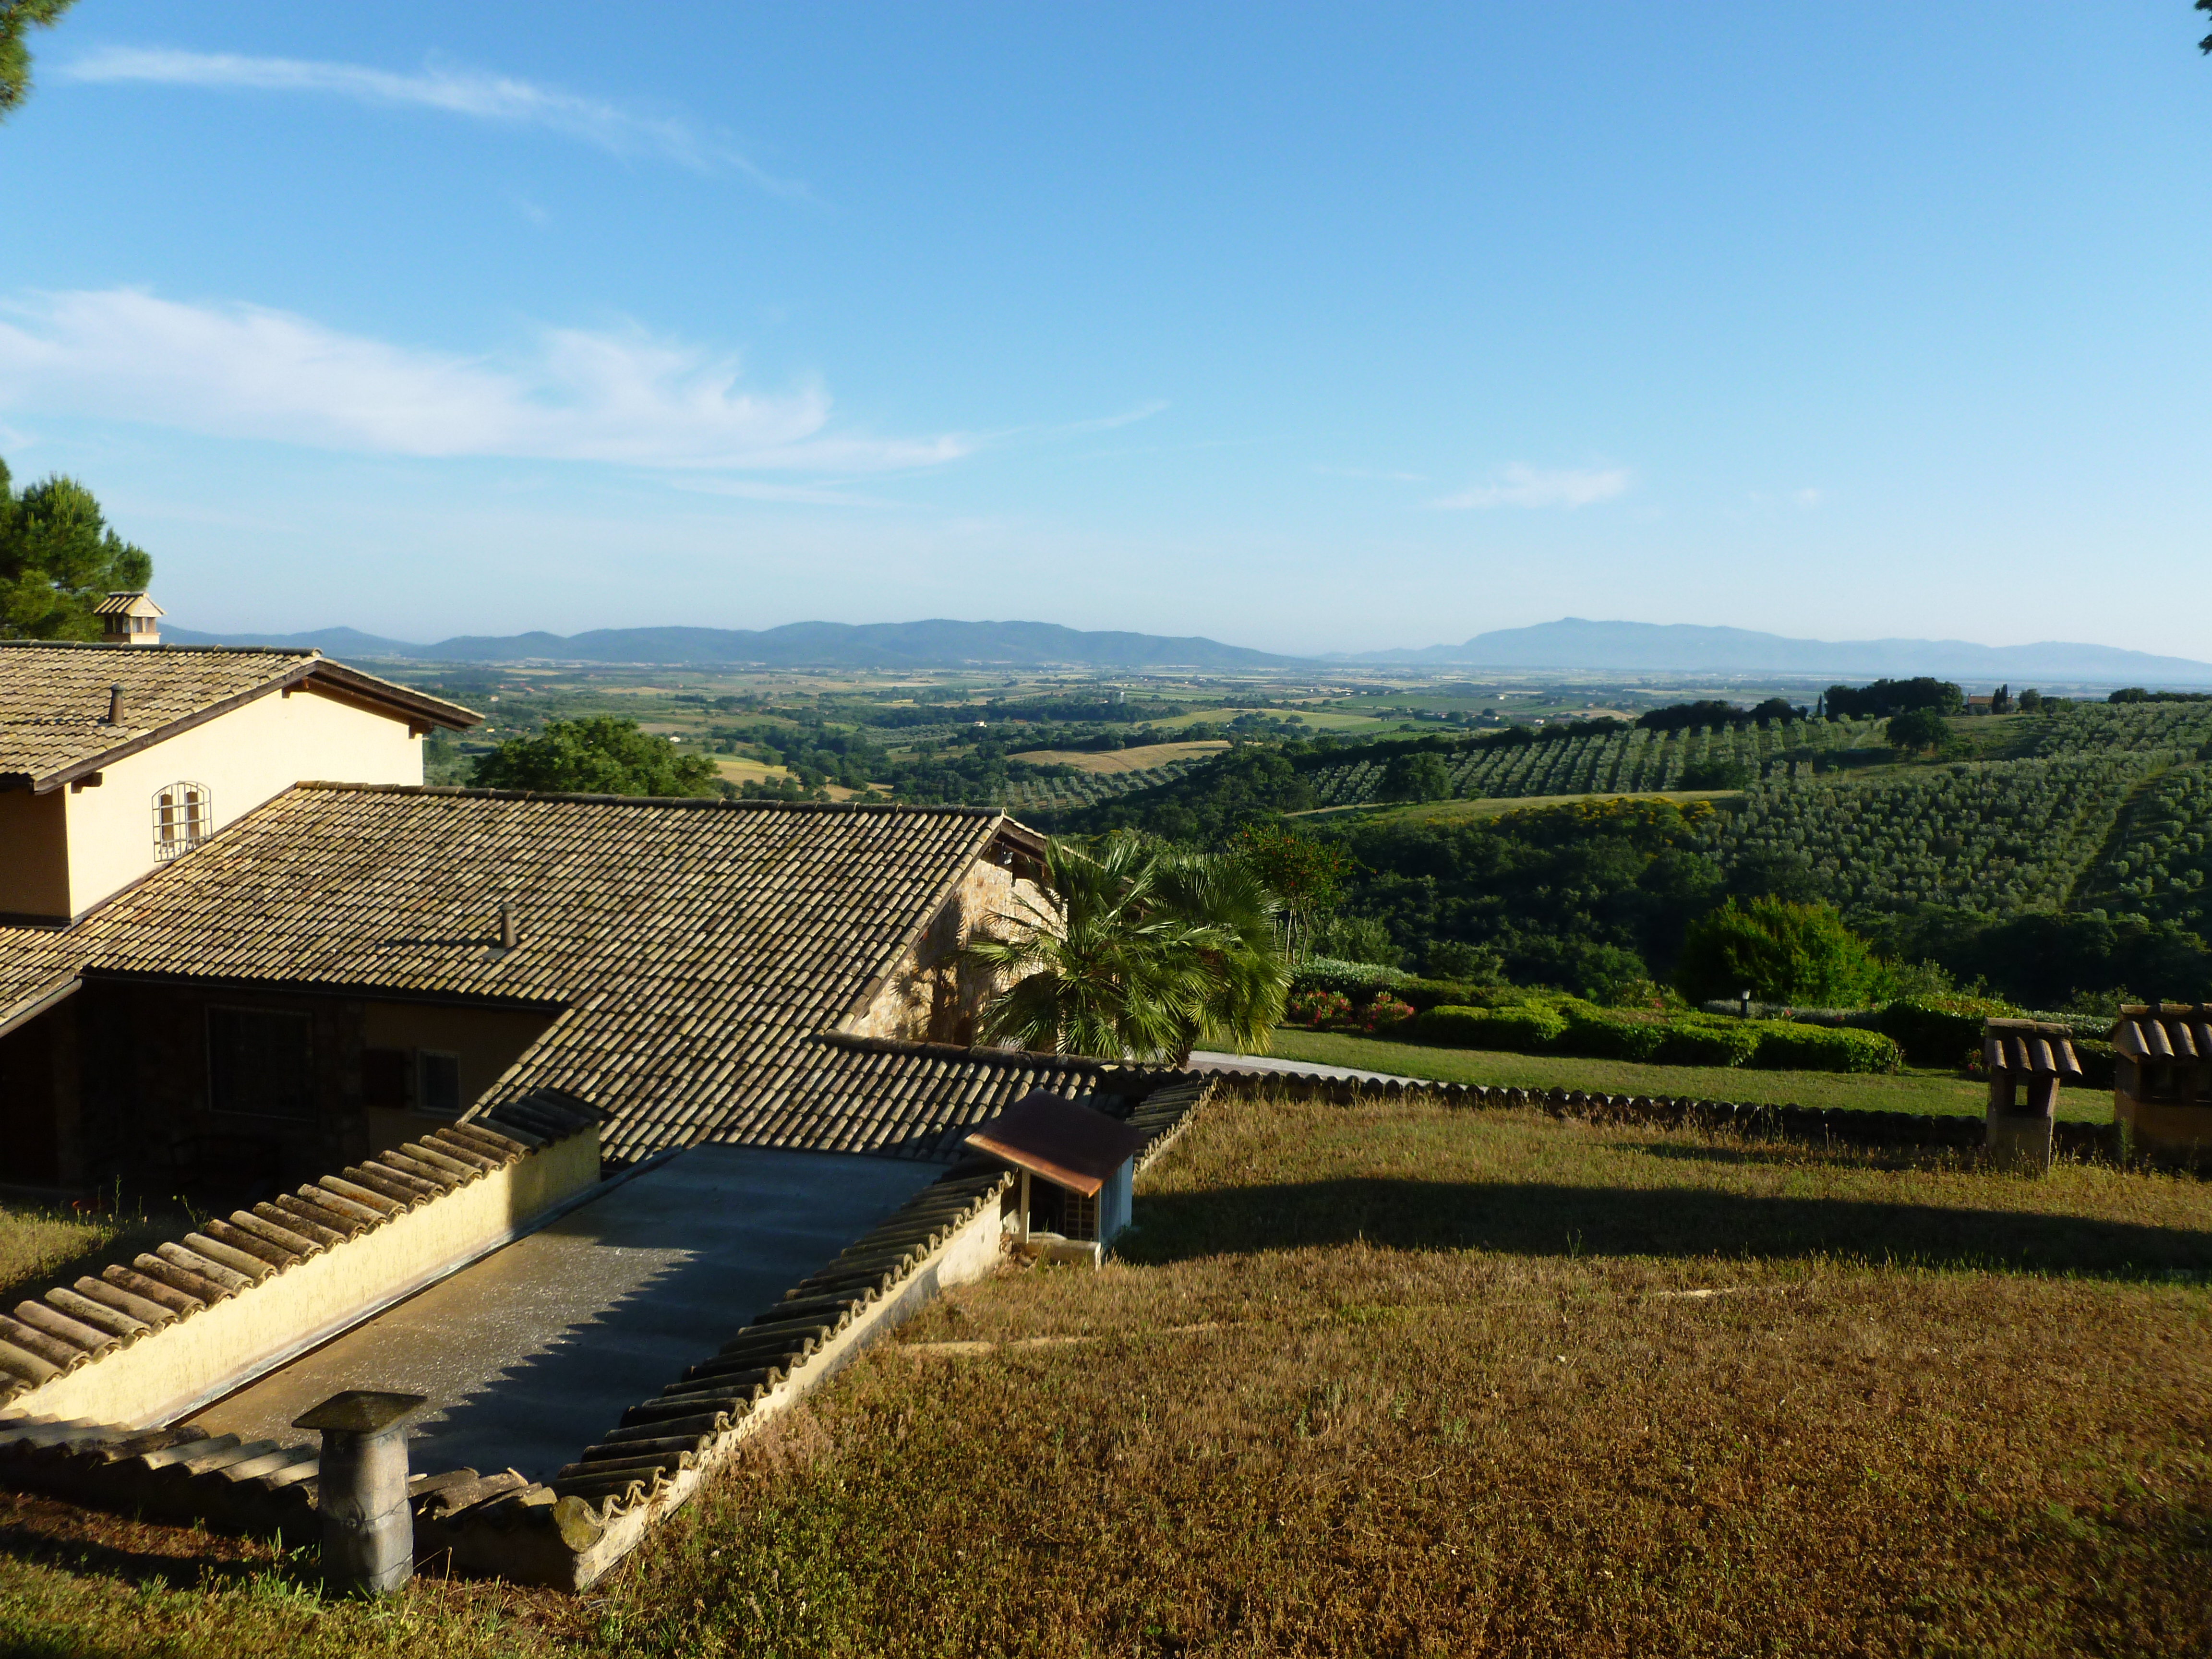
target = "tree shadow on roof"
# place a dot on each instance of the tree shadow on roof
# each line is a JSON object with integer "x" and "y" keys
{"x": 1534, "y": 1218}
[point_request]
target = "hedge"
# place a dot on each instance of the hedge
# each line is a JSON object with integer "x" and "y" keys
{"x": 1785, "y": 1046}
{"x": 1574, "y": 1027}
{"x": 1455, "y": 1028}
{"x": 1942, "y": 1030}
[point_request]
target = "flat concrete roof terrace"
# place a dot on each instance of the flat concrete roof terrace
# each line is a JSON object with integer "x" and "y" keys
{"x": 532, "y": 1352}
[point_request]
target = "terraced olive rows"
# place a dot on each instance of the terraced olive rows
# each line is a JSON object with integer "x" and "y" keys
{"x": 1621, "y": 761}
{"x": 1997, "y": 837}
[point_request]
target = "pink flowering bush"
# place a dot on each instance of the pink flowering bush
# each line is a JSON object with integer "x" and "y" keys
{"x": 1385, "y": 1013}
{"x": 1316, "y": 1006}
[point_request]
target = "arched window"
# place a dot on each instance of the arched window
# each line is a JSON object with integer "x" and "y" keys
{"x": 184, "y": 817}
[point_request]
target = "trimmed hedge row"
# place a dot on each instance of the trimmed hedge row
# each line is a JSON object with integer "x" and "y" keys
{"x": 1574, "y": 1027}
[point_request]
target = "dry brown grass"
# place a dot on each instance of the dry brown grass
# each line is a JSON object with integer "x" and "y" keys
{"x": 1391, "y": 1379}
{"x": 42, "y": 1246}
{"x": 1455, "y": 1387}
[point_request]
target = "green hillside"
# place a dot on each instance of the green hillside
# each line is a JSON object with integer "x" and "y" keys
{"x": 2053, "y": 855}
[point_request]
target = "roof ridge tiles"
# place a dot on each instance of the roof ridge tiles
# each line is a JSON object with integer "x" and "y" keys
{"x": 695, "y": 803}
{"x": 227, "y": 1257}
{"x": 171, "y": 649}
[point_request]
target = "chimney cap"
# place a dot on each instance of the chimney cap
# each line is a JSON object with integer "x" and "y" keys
{"x": 129, "y": 602}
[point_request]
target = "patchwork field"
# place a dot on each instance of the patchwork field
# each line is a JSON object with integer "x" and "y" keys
{"x": 1393, "y": 1379}
{"x": 1143, "y": 759}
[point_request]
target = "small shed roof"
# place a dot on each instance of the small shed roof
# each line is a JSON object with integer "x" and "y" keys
{"x": 2027, "y": 1048}
{"x": 2170, "y": 1032}
{"x": 1070, "y": 1145}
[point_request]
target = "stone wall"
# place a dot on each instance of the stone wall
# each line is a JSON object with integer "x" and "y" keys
{"x": 927, "y": 995}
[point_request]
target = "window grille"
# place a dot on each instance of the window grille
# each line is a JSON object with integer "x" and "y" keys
{"x": 1078, "y": 1217}
{"x": 184, "y": 817}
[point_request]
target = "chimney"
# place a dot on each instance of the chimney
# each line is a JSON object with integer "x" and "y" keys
{"x": 510, "y": 929}
{"x": 128, "y": 618}
{"x": 115, "y": 705}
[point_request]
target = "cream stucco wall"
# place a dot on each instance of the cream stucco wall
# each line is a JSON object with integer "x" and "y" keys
{"x": 181, "y": 1366}
{"x": 34, "y": 855}
{"x": 243, "y": 758}
{"x": 486, "y": 1040}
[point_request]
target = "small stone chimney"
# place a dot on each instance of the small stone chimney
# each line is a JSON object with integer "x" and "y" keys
{"x": 129, "y": 618}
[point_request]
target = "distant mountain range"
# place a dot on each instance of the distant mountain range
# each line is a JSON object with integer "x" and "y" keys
{"x": 1685, "y": 648}
{"x": 936, "y": 644}
{"x": 1569, "y": 644}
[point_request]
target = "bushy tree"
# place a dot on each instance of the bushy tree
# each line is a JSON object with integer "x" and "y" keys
{"x": 601, "y": 756}
{"x": 1780, "y": 952}
{"x": 1415, "y": 777}
{"x": 1306, "y": 875}
{"x": 1917, "y": 729}
{"x": 59, "y": 559}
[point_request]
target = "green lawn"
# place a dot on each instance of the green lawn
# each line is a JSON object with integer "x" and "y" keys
{"x": 1909, "y": 1091}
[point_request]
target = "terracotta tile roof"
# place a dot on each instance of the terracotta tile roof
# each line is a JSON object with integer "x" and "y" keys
{"x": 700, "y": 951}
{"x": 2027, "y": 1048}
{"x": 2171, "y": 1031}
{"x": 54, "y": 699}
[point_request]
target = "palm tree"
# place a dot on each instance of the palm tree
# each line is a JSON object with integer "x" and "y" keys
{"x": 1134, "y": 951}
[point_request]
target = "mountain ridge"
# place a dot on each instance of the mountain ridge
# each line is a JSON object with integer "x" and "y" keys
{"x": 1572, "y": 643}
{"x": 938, "y": 642}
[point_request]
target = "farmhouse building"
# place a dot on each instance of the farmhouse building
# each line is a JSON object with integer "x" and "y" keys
{"x": 114, "y": 762}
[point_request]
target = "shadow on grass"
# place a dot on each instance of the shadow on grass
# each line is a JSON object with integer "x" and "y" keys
{"x": 1538, "y": 1220}
{"x": 187, "y": 1563}
{"x": 135, "y": 1235}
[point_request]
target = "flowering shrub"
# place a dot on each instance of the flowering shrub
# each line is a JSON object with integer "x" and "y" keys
{"x": 1317, "y": 1006}
{"x": 1385, "y": 1013}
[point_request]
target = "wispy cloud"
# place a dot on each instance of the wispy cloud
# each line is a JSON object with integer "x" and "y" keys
{"x": 1520, "y": 485}
{"x": 485, "y": 97}
{"x": 240, "y": 371}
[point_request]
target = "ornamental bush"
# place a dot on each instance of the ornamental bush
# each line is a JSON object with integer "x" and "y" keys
{"x": 1780, "y": 952}
{"x": 1384, "y": 1012}
{"x": 1455, "y": 1028}
{"x": 1316, "y": 1005}
{"x": 1704, "y": 1039}
{"x": 1601, "y": 1034}
{"x": 1531, "y": 1029}
{"x": 1784, "y": 1045}
{"x": 1942, "y": 1030}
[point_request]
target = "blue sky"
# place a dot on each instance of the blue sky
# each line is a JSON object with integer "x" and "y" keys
{"x": 1307, "y": 328}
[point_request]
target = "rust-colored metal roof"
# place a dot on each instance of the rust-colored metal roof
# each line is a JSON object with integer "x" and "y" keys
{"x": 54, "y": 699}
{"x": 1069, "y": 1144}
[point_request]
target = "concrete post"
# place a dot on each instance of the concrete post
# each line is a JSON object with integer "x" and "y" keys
{"x": 368, "y": 1530}
{"x": 2020, "y": 1137}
